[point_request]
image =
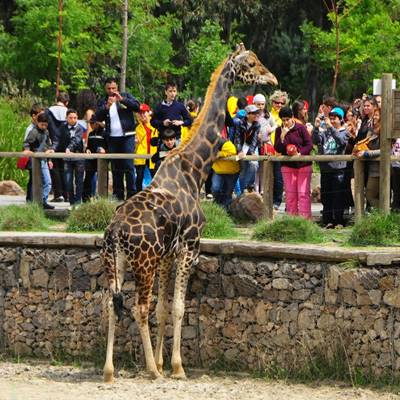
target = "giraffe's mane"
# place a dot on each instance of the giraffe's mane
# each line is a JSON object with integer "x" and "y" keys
{"x": 200, "y": 118}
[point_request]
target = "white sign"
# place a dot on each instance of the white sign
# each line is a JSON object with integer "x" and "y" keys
{"x": 377, "y": 86}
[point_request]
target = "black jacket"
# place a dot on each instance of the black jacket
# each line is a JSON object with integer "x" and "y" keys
{"x": 69, "y": 139}
{"x": 125, "y": 108}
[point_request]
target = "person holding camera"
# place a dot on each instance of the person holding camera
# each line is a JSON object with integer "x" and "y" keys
{"x": 116, "y": 110}
{"x": 170, "y": 113}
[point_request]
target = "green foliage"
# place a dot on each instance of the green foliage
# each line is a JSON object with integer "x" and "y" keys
{"x": 91, "y": 217}
{"x": 13, "y": 123}
{"x": 219, "y": 224}
{"x": 29, "y": 217}
{"x": 368, "y": 33}
{"x": 376, "y": 229}
{"x": 290, "y": 229}
{"x": 206, "y": 53}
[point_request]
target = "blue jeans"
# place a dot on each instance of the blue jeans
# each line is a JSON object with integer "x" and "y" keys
{"x": 122, "y": 168}
{"x": 222, "y": 188}
{"x": 247, "y": 176}
{"x": 46, "y": 180}
{"x": 74, "y": 170}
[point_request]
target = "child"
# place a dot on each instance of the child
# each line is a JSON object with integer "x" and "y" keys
{"x": 95, "y": 144}
{"x": 38, "y": 140}
{"x": 168, "y": 142}
{"x": 225, "y": 174}
{"x": 144, "y": 135}
{"x": 69, "y": 140}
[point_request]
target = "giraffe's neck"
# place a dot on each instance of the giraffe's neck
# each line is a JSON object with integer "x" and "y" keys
{"x": 201, "y": 151}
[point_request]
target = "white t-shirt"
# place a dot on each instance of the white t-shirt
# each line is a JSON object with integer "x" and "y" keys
{"x": 116, "y": 127}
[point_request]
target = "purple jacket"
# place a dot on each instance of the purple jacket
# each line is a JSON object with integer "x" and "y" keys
{"x": 298, "y": 136}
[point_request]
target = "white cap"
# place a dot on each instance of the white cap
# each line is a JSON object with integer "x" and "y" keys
{"x": 259, "y": 98}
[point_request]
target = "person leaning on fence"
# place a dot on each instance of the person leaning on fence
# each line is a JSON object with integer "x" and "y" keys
{"x": 36, "y": 109}
{"x": 57, "y": 115}
{"x": 225, "y": 174}
{"x": 370, "y": 148}
{"x": 332, "y": 140}
{"x": 70, "y": 140}
{"x": 145, "y": 136}
{"x": 293, "y": 139}
{"x": 117, "y": 110}
{"x": 38, "y": 140}
{"x": 246, "y": 141}
{"x": 95, "y": 143}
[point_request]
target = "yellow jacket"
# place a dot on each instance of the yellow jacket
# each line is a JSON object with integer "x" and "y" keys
{"x": 275, "y": 115}
{"x": 186, "y": 129}
{"x": 141, "y": 143}
{"x": 226, "y": 166}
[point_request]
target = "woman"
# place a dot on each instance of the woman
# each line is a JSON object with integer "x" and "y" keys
{"x": 373, "y": 150}
{"x": 294, "y": 139}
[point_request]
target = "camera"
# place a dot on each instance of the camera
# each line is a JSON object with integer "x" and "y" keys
{"x": 322, "y": 117}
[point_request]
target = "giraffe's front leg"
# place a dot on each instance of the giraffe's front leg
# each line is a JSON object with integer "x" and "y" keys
{"x": 178, "y": 309}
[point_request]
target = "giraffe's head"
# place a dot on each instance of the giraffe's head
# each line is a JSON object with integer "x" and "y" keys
{"x": 249, "y": 69}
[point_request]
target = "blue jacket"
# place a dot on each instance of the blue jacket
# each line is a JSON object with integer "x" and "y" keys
{"x": 125, "y": 108}
{"x": 175, "y": 111}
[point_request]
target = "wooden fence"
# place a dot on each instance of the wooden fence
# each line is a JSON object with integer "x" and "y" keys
{"x": 266, "y": 163}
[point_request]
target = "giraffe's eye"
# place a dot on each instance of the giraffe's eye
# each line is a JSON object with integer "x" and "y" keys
{"x": 252, "y": 64}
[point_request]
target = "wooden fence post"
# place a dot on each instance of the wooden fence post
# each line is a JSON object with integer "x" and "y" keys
{"x": 102, "y": 177}
{"x": 385, "y": 143}
{"x": 358, "y": 189}
{"x": 37, "y": 189}
{"x": 268, "y": 188}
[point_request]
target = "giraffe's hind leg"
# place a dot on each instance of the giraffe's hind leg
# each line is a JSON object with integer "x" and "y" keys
{"x": 144, "y": 285}
{"x": 115, "y": 287}
{"x": 162, "y": 309}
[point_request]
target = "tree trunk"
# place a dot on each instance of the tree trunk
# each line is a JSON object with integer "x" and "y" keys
{"x": 124, "y": 46}
{"x": 59, "y": 45}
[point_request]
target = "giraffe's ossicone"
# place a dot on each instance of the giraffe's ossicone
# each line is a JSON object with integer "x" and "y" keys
{"x": 160, "y": 227}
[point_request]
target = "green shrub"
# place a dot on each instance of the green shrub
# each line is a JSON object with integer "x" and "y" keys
{"x": 12, "y": 129}
{"x": 288, "y": 229}
{"x": 219, "y": 224}
{"x": 91, "y": 217}
{"x": 376, "y": 229}
{"x": 28, "y": 217}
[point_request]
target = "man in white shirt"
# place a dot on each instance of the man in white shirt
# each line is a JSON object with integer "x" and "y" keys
{"x": 117, "y": 109}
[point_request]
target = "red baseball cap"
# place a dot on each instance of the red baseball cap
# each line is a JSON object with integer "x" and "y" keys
{"x": 144, "y": 107}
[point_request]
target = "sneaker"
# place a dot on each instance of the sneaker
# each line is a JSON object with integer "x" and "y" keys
{"x": 329, "y": 226}
{"x": 59, "y": 199}
{"x": 209, "y": 196}
{"x": 48, "y": 206}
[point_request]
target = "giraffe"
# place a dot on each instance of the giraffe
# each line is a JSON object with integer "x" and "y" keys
{"x": 160, "y": 226}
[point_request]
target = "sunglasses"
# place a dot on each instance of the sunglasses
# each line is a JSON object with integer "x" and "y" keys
{"x": 282, "y": 103}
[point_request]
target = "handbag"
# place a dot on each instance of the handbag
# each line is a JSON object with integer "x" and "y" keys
{"x": 267, "y": 149}
{"x": 22, "y": 162}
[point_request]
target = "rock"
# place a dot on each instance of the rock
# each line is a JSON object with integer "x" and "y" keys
{"x": 248, "y": 206}
{"x": 22, "y": 348}
{"x": 93, "y": 267}
{"x": 189, "y": 332}
{"x": 246, "y": 285}
{"x": 60, "y": 279}
{"x": 326, "y": 322}
{"x": 10, "y": 188}
{"x": 306, "y": 320}
{"x": 281, "y": 284}
{"x": 40, "y": 278}
{"x": 261, "y": 313}
{"x": 392, "y": 298}
{"x": 208, "y": 264}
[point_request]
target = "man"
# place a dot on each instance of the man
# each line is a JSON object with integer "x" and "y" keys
{"x": 170, "y": 113}
{"x": 117, "y": 109}
{"x": 56, "y": 116}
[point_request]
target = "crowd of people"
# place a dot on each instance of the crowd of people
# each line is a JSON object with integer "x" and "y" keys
{"x": 255, "y": 125}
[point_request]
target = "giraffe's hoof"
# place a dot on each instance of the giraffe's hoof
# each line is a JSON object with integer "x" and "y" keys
{"x": 178, "y": 374}
{"x": 155, "y": 375}
{"x": 160, "y": 369}
{"x": 108, "y": 377}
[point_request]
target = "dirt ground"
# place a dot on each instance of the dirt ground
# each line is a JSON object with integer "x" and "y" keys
{"x": 27, "y": 382}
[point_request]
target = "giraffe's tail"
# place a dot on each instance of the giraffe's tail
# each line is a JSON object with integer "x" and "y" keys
{"x": 118, "y": 304}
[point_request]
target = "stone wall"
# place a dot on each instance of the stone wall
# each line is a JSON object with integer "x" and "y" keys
{"x": 246, "y": 311}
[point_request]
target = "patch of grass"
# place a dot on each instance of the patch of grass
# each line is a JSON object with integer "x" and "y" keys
{"x": 219, "y": 224}
{"x": 290, "y": 229}
{"x": 91, "y": 217}
{"x": 376, "y": 229}
{"x": 27, "y": 217}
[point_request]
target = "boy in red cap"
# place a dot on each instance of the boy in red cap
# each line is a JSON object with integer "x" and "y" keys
{"x": 144, "y": 135}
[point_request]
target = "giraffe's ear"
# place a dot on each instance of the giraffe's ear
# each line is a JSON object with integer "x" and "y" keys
{"x": 240, "y": 48}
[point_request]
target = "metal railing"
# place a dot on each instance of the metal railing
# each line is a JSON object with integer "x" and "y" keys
{"x": 265, "y": 161}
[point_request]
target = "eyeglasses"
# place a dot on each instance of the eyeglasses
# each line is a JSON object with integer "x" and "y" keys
{"x": 282, "y": 103}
